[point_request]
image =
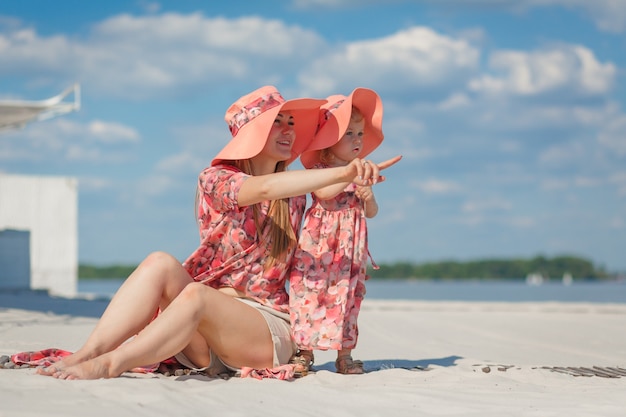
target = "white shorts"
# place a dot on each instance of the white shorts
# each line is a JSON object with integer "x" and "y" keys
{"x": 280, "y": 329}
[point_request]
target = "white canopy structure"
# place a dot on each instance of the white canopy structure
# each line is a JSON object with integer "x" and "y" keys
{"x": 15, "y": 114}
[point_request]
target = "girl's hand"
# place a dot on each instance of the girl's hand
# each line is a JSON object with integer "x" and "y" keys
{"x": 364, "y": 193}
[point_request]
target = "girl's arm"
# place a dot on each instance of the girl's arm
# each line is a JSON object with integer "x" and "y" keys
{"x": 331, "y": 191}
{"x": 293, "y": 183}
{"x": 366, "y": 194}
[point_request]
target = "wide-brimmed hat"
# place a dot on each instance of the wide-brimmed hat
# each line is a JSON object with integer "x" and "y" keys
{"x": 335, "y": 118}
{"x": 251, "y": 117}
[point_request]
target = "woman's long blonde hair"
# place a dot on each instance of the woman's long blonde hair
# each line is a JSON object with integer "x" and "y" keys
{"x": 281, "y": 235}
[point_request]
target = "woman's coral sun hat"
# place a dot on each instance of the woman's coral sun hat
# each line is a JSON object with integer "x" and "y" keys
{"x": 335, "y": 118}
{"x": 251, "y": 117}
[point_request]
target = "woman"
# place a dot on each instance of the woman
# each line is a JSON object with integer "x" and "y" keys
{"x": 226, "y": 307}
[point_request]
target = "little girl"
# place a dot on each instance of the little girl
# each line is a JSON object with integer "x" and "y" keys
{"x": 327, "y": 279}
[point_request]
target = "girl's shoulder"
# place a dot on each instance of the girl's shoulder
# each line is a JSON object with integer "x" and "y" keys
{"x": 320, "y": 165}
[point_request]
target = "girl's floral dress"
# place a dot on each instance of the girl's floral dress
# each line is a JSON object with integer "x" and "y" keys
{"x": 327, "y": 280}
{"x": 230, "y": 252}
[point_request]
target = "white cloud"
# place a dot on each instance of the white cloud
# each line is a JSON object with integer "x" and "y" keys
{"x": 96, "y": 184}
{"x": 179, "y": 162}
{"x": 83, "y": 154}
{"x": 414, "y": 58}
{"x": 139, "y": 57}
{"x": 609, "y": 15}
{"x": 486, "y": 205}
{"x": 153, "y": 186}
{"x": 110, "y": 132}
{"x": 564, "y": 68}
{"x": 436, "y": 186}
{"x": 67, "y": 140}
{"x": 557, "y": 155}
{"x": 489, "y": 112}
{"x": 455, "y": 101}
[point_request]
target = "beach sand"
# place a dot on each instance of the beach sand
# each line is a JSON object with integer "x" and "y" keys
{"x": 423, "y": 359}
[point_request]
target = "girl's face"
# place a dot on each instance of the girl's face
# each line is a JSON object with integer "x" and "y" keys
{"x": 351, "y": 144}
{"x": 281, "y": 137}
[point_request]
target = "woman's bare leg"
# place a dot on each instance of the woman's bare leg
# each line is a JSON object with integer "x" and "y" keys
{"x": 236, "y": 332}
{"x": 155, "y": 282}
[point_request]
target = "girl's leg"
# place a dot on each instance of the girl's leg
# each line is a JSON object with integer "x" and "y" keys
{"x": 303, "y": 362}
{"x": 155, "y": 282}
{"x": 344, "y": 352}
{"x": 236, "y": 332}
{"x": 346, "y": 365}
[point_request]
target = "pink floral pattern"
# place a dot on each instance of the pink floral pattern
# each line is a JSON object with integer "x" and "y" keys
{"x": 230, "y": 252}
{"x": 327, "y": 279}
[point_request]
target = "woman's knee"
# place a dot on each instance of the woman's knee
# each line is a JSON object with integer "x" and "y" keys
{"x": 195, "y": 293}
{"x": 162, "y": 270}
{"x": 160, "y": 259}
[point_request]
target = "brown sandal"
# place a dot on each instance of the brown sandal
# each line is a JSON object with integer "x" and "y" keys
{"x": 303, "y": 361}
{"x": 348, "y": 366}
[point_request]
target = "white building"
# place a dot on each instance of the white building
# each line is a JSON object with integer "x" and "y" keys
{"x": 42, "y": 211}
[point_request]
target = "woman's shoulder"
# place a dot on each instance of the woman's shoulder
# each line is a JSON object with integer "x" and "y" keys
{"x": 220, "y": 177}
{"x": 219, "y": 171}
{"x": 221, "y": 168}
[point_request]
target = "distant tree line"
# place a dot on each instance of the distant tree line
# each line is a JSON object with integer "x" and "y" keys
{"x": 105, "y": 272}
{"x": 548, "y": 268}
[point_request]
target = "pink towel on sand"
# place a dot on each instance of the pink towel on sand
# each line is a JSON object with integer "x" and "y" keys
{"x": 47, "y": 357}
{"x": 44, "y": 357}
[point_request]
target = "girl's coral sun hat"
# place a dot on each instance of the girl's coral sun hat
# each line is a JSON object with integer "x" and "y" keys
{"x": 251, "y": 117}
{"x": 335, "y": 117}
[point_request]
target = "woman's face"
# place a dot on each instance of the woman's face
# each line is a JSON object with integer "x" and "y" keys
{"x": 281, "y": 137}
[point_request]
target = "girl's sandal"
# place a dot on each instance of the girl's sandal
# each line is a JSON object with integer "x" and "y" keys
{"x": 348, "y": 366}
{"x": 303, "y": 361}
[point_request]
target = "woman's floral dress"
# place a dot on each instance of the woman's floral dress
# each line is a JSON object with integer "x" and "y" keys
{"x": 327, "y": 279}
{"x": 230, "y": 252}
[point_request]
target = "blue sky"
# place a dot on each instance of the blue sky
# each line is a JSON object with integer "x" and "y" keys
{"x": 510, "y": 115}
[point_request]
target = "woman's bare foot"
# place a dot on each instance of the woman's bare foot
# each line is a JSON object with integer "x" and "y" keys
{"x": 92, "y": 369}
{"x": 48, "y": 370}
{"x": 59, "y": 366}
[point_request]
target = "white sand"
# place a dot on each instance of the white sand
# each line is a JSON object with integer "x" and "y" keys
{"x": 453, "y": 341}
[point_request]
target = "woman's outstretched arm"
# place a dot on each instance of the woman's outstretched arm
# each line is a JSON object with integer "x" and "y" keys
{"x": 293, "y": 183}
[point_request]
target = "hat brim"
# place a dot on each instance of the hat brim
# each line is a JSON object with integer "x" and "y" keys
{"x": 370, "y": 105}
{"x": 252, "y": 137}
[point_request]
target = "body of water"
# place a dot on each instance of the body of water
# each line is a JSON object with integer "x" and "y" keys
{"x": 508, "y": 291}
